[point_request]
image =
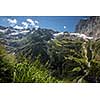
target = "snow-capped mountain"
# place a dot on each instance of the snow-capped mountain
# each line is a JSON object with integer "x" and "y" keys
{"x": 16, "y": 38}
{"x": 13, "y": 33}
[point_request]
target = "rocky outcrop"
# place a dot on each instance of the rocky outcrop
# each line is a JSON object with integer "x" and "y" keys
{"x": 89, "y": 27}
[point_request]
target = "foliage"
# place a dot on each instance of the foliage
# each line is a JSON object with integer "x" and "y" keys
{"x": 36, "y": 44}
{"x": 35, "y": 72}
{"x": 73, "y": 59}
{"x": 65, "y": 55}
{"x": 63, "y": 59}
{"x": 7, "y": 62}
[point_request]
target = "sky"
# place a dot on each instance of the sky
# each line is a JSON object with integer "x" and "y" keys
{"x": 58, "y": 23}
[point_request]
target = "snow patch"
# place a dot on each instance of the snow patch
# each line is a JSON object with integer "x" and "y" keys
{"x": 18, "y": 27}
{"x": 74, "y": 34}
{"x": 15, "y": 33}
{"x": 2, "y": 31}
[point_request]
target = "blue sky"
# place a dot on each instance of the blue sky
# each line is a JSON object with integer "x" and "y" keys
{"x": 58, "y": 23}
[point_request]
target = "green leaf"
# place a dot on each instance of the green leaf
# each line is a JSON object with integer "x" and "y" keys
{"x": 76, "y": 69}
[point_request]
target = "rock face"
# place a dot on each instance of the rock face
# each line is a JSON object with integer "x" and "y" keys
{"x": 89, "y": 27}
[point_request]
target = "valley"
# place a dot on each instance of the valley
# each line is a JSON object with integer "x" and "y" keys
{"x": 42, "y": 55}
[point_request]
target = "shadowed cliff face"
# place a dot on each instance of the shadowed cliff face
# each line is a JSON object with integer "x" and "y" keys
{"x": 89, "y": 27}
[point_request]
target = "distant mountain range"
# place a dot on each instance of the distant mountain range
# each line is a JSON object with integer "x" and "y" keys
{"x": 28, "y": 41}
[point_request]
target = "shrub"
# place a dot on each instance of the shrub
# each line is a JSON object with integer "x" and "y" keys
{"x": 32, "y": 73}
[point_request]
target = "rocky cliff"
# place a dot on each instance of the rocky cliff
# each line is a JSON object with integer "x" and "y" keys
{"x": 89, "y": 26}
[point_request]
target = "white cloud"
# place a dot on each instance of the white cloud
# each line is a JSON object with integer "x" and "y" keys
{"x": 36, "y": 27}
{"x": 18, "y": 27}
{"x": 25, "y": 24}
{"x": 12, "y": 21}
{"x": 31, "y": 22}
{"x": 36, "y": 22}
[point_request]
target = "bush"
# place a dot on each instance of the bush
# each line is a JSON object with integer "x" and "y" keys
{"x": 7, "y": 62}
{"x": 32, "y": 73}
